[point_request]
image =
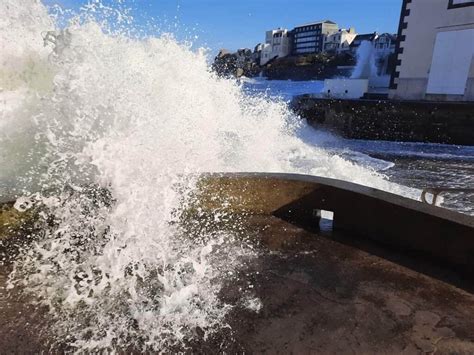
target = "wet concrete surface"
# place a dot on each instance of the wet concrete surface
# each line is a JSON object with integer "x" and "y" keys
{"x": 320, "y": 293}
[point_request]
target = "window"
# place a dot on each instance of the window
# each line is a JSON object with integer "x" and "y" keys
{"x": 304, "y": 45}
{"x": 305, "y": 39}
{"x": 455, "y": 4}
{"x": 305, "y": 34}
{"x": 305, "y": 50}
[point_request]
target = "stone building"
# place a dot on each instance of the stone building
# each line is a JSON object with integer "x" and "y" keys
{"x": 435, "y": 51}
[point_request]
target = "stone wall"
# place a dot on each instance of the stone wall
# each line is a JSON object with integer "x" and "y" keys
{"x": 409, "y": 121}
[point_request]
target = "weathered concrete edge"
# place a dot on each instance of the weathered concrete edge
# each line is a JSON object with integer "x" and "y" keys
{"x": 357, "y": 188}
{"x": 359, "y": 211}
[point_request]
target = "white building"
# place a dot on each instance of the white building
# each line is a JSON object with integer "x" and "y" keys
{"x": 339, "y": 41}
{"x": 360, "y": 38}
{"x": 257, "y": 52}
{"x": 435, "y": 51}
{"x": 277, "y": 45}
{"x": 384, "y": 46}
{"x": 385, "y": 43}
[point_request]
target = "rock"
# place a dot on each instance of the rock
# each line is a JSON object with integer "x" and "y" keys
{"x": 241, "y": 63}
{"x": 223, "y": 53}
{"x": 308, "y": 67}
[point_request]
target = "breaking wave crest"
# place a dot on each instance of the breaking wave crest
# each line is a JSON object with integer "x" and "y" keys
{"x": 105, "y": 133}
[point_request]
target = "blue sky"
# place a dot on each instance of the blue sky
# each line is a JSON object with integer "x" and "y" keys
{"x": 242, "y": 23}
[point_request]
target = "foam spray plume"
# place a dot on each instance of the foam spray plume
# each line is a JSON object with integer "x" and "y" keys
{"x": 365, "y": 67}
{"x": 105, "y": 133}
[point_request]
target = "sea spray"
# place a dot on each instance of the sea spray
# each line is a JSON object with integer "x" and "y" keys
{"x": 365, "y": 67}
{"x": 111, "y": 136}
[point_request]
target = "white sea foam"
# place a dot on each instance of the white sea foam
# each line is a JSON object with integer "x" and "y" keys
{"x": 365, "y": 67}
{"x": 110, "y": 128}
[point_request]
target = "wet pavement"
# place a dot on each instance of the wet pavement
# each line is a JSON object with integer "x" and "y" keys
{"x": 321, "y": 292}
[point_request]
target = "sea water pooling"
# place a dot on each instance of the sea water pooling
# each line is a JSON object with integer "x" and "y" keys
{"x": 109, "y": 130}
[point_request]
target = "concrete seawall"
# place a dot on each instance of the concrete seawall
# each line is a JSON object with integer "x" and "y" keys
{"x": 394, "y": 275}
{"x": 409, "y": 121}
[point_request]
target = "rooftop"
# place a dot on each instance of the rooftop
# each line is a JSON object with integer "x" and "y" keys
{"x": 390, "y": 35}
{"x": 364, "y": 37}
{"x": 316, "y": 23}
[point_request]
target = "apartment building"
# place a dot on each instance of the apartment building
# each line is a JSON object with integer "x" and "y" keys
{"x": 311, "y": 37}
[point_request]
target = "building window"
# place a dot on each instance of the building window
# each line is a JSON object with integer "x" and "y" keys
{"x": 455, "y": 4}
{"x": 305, "y": 44}
{"x": 305, "y": 39}
{"x": 305, "y": 34}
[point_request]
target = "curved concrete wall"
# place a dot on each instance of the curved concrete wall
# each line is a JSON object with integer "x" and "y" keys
{"x": 358, "y": 210}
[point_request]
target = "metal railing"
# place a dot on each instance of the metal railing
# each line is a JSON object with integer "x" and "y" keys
{"x": 436, "y": 191}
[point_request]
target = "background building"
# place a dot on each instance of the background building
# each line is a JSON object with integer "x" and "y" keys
{"x": 310, "y": 38}
{"x": 384, "y": 50}
{"x": 385, "y": 43}
{"x": 277, "y": 45}
{"x": 369, "y": 37}
{"x": 257, "y": 52}
{"x": 340, "y": 41}
{"x": 435, "y": 51}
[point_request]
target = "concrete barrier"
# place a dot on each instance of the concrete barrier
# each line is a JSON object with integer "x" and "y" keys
{"x": 346, "y": 88}
{"x": 360, "y": 211}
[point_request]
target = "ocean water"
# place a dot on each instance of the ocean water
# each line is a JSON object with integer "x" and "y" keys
{"x": 106, "y": 132}
{"x": 281, "y": 89}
